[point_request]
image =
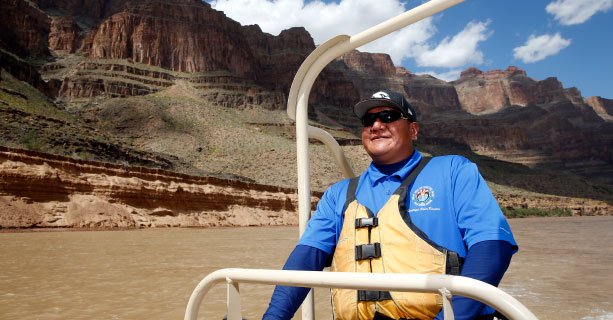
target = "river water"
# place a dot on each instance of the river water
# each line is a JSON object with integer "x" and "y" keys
{"x": 562, "y": 271}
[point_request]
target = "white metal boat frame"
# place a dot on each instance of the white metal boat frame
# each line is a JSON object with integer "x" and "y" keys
{"x": 297, "y": 110}
{"x": 444, "y": 284}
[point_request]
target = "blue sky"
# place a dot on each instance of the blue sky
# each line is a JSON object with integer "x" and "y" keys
{"x": 568, "y": 39}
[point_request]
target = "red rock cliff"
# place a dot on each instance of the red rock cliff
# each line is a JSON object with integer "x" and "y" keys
{"x": 486, "y": 92}
{"x": 278, "y": 57}
{"x": 177, "y": 35}
{"x": 65, "y": 35}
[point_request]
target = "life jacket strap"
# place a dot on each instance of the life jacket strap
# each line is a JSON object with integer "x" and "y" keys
{"x": 372, "y": 295}
{"x": 454, "y": 263}
{"x": 368, "y": 251}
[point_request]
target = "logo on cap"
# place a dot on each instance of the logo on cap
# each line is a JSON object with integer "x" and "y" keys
{"x": 381, "y": 95}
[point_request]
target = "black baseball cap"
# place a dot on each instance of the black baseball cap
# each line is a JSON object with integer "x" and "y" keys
{"x": 386, "y": 98}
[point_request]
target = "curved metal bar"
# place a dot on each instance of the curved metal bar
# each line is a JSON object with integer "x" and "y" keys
{"x": 457, "y": 285}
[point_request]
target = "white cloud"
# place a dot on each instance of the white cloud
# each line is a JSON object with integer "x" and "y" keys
{"x": 272, "y": 16}
{"x": 570, "y": 12}
{"x": 458, "y": 51}
{"x": 324, "y": 20}
{"x": 541, "y": 47}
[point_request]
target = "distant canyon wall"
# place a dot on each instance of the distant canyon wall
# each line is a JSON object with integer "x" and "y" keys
{"x": 140, "y": 47}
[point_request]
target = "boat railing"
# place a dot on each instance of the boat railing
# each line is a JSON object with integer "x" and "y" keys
{"x": 446, "y": 285}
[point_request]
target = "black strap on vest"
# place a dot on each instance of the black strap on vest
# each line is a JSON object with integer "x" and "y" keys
{"x": 454, "y": 261}
{"x": 403, "y": 189}
{"x": 372, "y": 295}
{"x": 351, "y": 189}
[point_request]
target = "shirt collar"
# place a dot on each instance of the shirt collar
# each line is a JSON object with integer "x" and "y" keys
{"x": 399, "y": 170}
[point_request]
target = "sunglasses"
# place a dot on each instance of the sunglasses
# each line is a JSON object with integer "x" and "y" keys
{"x": 385, "y": 116}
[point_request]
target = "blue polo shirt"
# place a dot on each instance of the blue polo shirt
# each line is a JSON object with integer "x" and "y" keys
{"x": 449, "y": 201}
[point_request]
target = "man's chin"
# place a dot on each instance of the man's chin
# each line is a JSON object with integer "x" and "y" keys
{"x": 379, "y": 146}
{"x": 377, "y": 154}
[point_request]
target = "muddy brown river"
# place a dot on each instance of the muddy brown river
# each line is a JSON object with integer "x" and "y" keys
{"x": 562, "y": 271}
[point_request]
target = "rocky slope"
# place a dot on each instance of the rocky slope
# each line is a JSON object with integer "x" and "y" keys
{"x": 29, "y": 120}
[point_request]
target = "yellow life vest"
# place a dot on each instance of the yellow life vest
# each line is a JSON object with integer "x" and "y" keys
{"x": 387, "y": 243}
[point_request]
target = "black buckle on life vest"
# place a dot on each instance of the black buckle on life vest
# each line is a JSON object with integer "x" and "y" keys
{"x": 454, "y": 263}
{"x": 366, "y": 222}
{"x": 368, "y": 251}
{"x": 371, "y": 295}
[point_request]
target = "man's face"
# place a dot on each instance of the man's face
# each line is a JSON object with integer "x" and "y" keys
{"x": 388, "y": 143}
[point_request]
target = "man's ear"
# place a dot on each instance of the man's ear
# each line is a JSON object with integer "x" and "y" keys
{"x": 414, "y": 129}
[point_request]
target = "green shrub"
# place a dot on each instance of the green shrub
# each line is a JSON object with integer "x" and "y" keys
{"x": 32, "y": 141}
{"x": 536, "y": 212}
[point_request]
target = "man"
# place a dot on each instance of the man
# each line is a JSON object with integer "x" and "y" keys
{"x": 404, "y": 214}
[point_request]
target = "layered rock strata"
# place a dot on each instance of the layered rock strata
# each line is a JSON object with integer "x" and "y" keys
{"x": 43, "y": 191}
{"x": 65, "y": 35}
{"x": 118, "y": 78}
{"x": 186, "y": 36}
{"x": 560, "y": 136}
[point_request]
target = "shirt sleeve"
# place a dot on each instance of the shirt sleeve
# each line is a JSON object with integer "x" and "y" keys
{"x": 486, "y": 261}
{"x": 286, "y": 300}
{"x": 478, "y": 214}
{"x": 324, "y": 226}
